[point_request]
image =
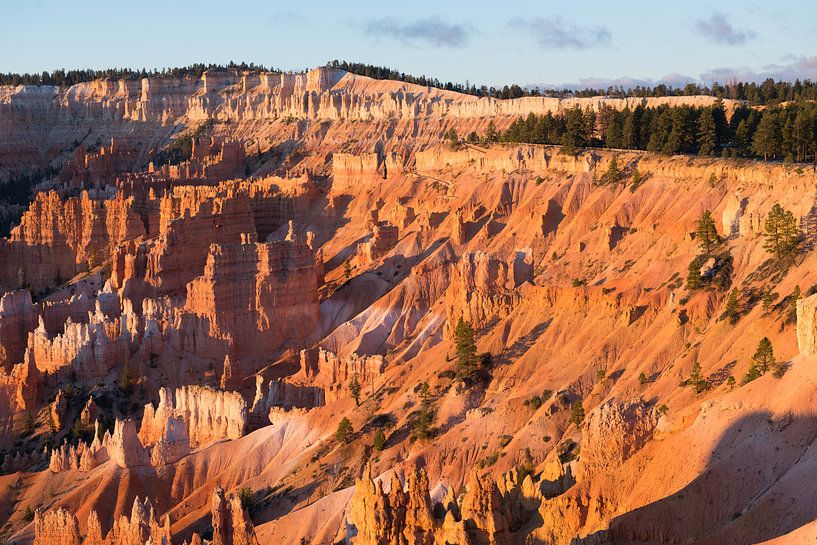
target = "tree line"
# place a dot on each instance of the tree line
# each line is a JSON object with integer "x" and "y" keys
{"x": 66, "y": 78}
{"x": 782, "y": 132}
{"x": 767, "y": 92}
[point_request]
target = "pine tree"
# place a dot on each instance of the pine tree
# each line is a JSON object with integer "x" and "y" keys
{"x": 768, "y": 300}
{"x": 354, "y": 389}
{"x": 125, "y": 379}
{"x": 345, "y": 431}
{"x": 577, "y": 414}
{"x": 466, "y": 348}
{"x": 635, "y": 182}
{"x": 707, "y": 133}
{"x": 782, "y": 236}
{"x": 347, "y": 269}
{"x": 491, "y": 135}
{"x": 752, "y": 374}
{"x": 612, "y": 173}
{"x": 642, "y": 379}
{"x": 767, "y": 139}
{"x": 731, "y": 312}
{"x": 423, "y": 424}
{"x": 379, "y": 440}
{"x": 707, "y": 233}
{"x": 696, "y": 379}
{"x": 694, "y": 279}
{"x": 763, "y": 358}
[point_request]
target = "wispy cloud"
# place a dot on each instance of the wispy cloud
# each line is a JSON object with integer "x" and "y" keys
{"x": 626, "y": 82}
{"x": 285, "y": 17}
{"x": 557, "y": 33}
{"x": 790, "y": 69}
{"x": 720, "y": 30}
{"x": 433, "y": 31}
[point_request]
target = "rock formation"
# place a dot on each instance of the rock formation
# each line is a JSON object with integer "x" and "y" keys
{"x": 17, "y": 318}
{"x": 198, "y": 416}
{"x": 614, "y": 432}
{"x": 807, "y": 325}
{"x": 384, "y": 237}
{"x": 231, "y": 526}
{"x": 485, "y": 513}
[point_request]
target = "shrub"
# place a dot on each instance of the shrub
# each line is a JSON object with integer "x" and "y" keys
{"x": 247, "y": 497}
{"x": 642, "y": 379}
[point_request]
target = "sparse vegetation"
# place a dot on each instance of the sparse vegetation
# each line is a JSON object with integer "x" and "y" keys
{"x": 696, "y": 380}
{"x": 247, "y": 497}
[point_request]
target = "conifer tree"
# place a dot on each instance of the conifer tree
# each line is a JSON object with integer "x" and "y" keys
{"x": 781, "y": 234}
{"x": 466, "y": 348}
{"x": 491, "y": 134}
{"x": 379, "y": 440}
{"x": 577, "y": 413}
{"x": 696, "y": 379}
{"x": 694, "y": 278}
{"x": 125, "y": 379}
{"x": 707, "y": 133}
{"x": 707, "y": 233}
{"x": 763, "y": 357}
{"x": 354, "y": 389}
{"x": 732, "y": 310}
{"x": 345, "y": 431}
{"x": 767, "y": 138}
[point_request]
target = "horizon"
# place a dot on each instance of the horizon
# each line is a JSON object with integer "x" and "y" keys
{"x": 592, "y": 46}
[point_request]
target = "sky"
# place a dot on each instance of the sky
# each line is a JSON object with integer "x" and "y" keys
{"x": 555, "y": 44}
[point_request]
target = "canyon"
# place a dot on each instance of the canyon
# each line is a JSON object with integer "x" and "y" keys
{"x": 259, "y": 342}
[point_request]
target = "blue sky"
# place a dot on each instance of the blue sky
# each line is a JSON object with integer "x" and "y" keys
{"x": 526, "y": 42}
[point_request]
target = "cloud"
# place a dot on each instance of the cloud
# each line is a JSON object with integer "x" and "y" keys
{"x": 430, "y": 31}
{"x": 789, "y": 69}
{"x": 286, "y": 17}
{"x": 718, "y": 29}
{"x": 626, "y": 82}
{"x": 556, "y": 33}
